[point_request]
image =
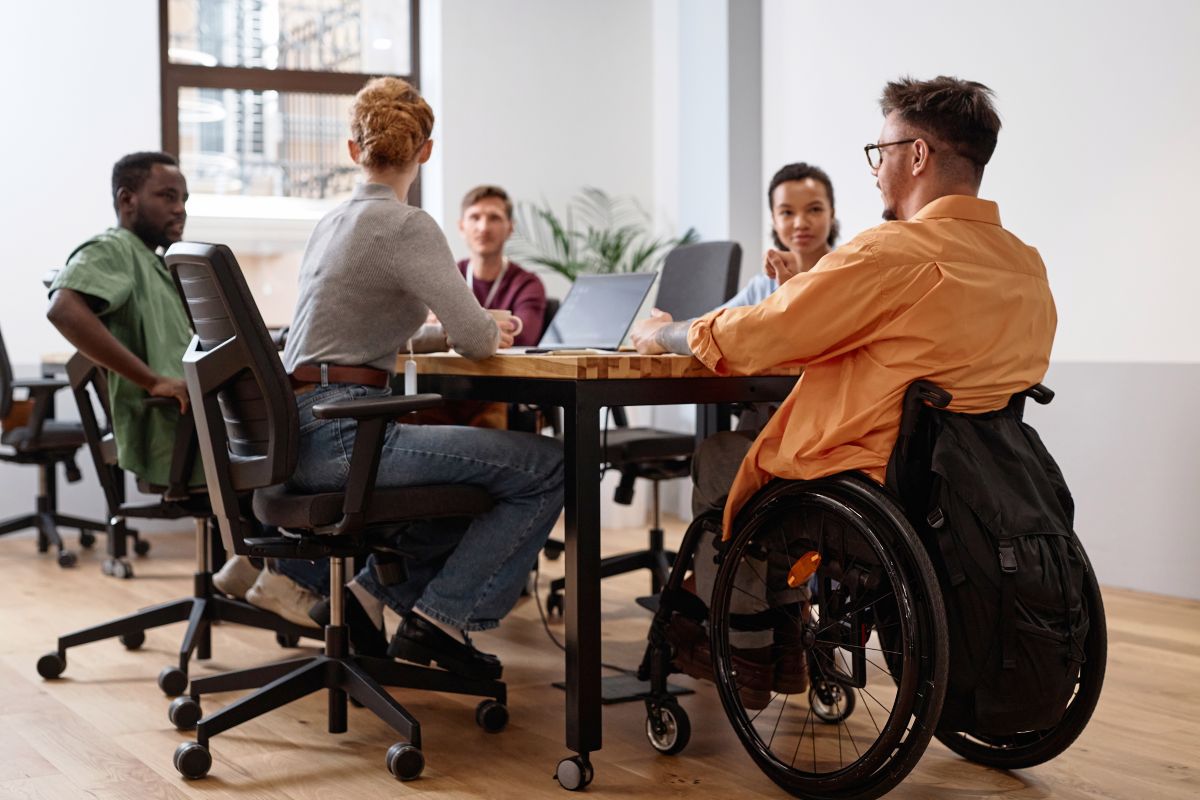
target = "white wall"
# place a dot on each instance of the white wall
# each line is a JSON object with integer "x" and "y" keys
{"x": 77, "y": 97}
{"x": 1096, "y": 164}
{"x": 1095, "y": 167}
{"x": 544, "y": 97}
{"x": 93, "y": 97}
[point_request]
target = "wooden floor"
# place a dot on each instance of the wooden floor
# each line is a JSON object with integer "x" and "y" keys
{"x": 101, "y": 731}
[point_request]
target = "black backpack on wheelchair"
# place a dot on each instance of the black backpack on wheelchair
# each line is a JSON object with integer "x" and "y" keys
{"x": 956, "y": 602}
{"x": 996, "y": 517}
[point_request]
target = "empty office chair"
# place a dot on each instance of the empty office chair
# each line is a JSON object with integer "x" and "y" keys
{"x": 248, "y": 428}
{"x": 35, "y": 437}
{"x": 176, "y": 501}
{"x": 696, "y": 278}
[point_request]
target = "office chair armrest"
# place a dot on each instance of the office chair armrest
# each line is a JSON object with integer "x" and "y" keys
{"x": 41, "y": 392}
{"x": 40, "y": 384}
{"x": 376, "y": 407}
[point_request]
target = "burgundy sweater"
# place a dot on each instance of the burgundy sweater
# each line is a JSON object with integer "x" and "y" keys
{"x": 521, "y": 292}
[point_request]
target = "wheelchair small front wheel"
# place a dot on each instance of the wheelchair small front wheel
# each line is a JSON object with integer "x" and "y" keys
{"x": 667, "y": 726}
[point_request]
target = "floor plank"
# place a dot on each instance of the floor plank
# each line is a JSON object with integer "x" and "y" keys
{"x": 101, "y": 731}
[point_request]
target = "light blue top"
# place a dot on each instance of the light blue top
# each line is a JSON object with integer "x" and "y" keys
{"x": 753, "y": 293}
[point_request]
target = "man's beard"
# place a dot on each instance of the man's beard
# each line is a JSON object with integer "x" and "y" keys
{"x": 155, "y": 237}
{"x": 889, "y": 215}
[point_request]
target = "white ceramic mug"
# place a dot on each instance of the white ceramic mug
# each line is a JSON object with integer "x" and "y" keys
{"x": 503, "y": 314}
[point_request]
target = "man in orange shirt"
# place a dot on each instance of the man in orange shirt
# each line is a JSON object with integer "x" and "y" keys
{"x": 940, "y": 291}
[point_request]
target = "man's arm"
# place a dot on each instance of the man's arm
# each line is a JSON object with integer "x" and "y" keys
{"x": 69, "y": 312}
{"x": 660, "y": 334}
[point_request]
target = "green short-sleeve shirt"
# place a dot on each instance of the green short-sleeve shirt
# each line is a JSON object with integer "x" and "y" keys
{"x": 143, "y": 311}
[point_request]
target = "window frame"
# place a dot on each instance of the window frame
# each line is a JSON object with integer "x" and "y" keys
{"x": 173, "y": 77}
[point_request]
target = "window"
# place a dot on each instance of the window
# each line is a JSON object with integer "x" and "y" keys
{"x": 256, "y": 93}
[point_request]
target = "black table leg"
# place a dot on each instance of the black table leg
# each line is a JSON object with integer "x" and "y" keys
{"x": 582, "y": 611}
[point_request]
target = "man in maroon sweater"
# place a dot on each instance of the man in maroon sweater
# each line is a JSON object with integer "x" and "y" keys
{"x": 486, "y": 224}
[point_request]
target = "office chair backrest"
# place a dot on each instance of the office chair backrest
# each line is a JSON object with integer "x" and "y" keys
{"x": 696, "y": 278}
{"x": 6, "y": 379}
{"x": 245, "y": 411}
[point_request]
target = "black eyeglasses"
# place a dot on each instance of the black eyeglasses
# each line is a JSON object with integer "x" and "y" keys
{"x": 875, "y": 151}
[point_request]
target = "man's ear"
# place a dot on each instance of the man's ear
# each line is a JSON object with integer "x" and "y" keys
{"x": 425, "y": 152}
{"x": 921, "y": 153}
{"x": 355, "y": 150}
{"x": 126, "y": 200}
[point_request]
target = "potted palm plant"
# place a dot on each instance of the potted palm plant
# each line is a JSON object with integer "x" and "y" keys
{"x": 596, "y": 233}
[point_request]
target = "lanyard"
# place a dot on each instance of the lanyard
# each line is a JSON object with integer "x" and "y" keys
{"x": 495, "y": 284}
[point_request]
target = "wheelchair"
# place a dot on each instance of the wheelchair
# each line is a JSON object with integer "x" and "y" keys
{"x": 837, "y": 566}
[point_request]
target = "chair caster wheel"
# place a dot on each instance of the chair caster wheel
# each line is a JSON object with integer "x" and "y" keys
{"x": 830, "y": 702}
{"x": 86, "y": 539}
{"x": 141, "y": 547}
{"x": 117, "y": 568}
{"x": 554, "y": 604}
{"x": 133, "y": 640}
{"x": 667, "y": 726}
{"x": 574, "y": 773}
{"x": 193, "y": 760}
{"x": 286, "y": 640}
{"x": 51, "y": 665}
{"x": 491, "y": 715}
{"x": 173, "y": 681}
{"x": 66, "y": 558}
{"x": 184, "y": 712}
{"x": 405, "y": 761}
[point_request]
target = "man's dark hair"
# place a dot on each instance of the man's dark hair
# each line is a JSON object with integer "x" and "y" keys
{"x": 957, "y": 112}
{"x": 484, "y": 192}
{"x": 798, "y": 172}
{"x": 133, "y": 170}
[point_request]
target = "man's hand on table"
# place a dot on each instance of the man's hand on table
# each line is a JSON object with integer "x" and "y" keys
{"x": 660, "y": 334}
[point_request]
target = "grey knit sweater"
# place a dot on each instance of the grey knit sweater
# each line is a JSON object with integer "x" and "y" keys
{"x": 372, "y": 269}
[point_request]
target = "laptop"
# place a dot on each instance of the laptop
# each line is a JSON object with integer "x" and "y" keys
{"x": 597, "y": 312}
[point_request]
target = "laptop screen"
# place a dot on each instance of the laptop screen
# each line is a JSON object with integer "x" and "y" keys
{"x": 598, "y": 311}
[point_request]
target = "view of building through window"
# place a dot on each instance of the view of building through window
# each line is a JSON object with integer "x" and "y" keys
{"x": 288, "y": 140}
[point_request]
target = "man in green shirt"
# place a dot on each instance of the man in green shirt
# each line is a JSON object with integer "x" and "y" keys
{"x": 116, "y": 303}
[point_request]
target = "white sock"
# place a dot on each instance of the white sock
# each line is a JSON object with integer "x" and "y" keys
{"x": 370, "y": 603}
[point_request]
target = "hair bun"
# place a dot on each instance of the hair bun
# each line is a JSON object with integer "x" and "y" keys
{"x": 391, "y": 122}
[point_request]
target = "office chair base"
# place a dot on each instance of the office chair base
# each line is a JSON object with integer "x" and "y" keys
{"x": 345, "y": 677}
{"x": 199, "y": 611}
{"x": 47, "y": 523}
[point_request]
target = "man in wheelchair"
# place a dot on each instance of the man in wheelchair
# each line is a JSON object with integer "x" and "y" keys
{"x": 940, "y": 291}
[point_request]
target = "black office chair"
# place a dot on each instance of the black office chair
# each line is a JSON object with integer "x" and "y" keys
{"x": 696, "y": 278}
{"x": 177, "y": 501}
{"x": 248, "y": 428}
{"x": 42, "y": 440}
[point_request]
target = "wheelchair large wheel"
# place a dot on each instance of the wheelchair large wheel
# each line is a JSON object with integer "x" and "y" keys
{"x": 1031, "y": 748}
{"x": 831, "y": 567}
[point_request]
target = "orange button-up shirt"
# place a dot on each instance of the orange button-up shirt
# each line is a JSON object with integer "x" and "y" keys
{"x": 948, "y": 296}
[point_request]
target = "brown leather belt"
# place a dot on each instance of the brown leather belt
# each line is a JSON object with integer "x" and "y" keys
{"x": 306, "y": 375}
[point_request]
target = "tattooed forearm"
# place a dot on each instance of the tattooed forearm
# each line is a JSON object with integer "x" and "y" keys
{"x": 673, "y": 337}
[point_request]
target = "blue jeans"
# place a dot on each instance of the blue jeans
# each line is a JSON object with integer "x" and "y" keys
{"x": 470, "y": 584}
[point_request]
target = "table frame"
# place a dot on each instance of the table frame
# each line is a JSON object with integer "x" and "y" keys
{"x": 581, "y": 400}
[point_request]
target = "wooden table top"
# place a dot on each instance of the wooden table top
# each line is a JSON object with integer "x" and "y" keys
{"x": 569, "y": 366}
